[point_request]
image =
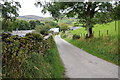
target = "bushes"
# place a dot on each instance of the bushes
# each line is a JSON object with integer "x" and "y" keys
{"x": 67, "y": 35}
{"x": 63, "y": 35}
{"x": 5, "y": 35}
{"x": 11, "y": 60}
{"x": 42, "y": 29}
{"x": 76, "y": 36}
{"x": 63, "y": 27}
{"x": 17, "y": 49}
{"x": 24, "y": 57}
{"x": 44, "y": 66}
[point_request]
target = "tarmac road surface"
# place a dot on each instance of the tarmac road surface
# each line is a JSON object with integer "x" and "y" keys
{"x": 80, "y": 64}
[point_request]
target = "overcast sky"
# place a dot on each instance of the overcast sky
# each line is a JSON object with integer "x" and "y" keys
{"x": 28, "y": 8}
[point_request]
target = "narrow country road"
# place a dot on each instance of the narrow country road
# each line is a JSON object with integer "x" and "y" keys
{"x": 80, "y": 64}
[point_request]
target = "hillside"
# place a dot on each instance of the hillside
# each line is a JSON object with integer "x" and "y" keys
{"x": 33, "y": 17}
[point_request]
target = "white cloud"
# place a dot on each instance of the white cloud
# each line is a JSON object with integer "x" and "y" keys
{"x": 28, "y": 8}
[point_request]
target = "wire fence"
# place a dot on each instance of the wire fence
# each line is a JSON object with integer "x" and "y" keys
{"x": 99, "y": 33}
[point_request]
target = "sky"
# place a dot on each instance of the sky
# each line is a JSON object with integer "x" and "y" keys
{"x": 28, "y": 8}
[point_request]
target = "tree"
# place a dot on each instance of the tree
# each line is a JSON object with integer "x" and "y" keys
{"x": 51, "y": 24}
{"x": 38, "y": 22}
{"x": 32, "y": 24}
{"x": 9, "y": 12}
{"x": 42, "y": 29}
{"x": 84, "y": 11}
{"x": 16, "y": 24}
{"x": 116, "y": 11}
{"x": 102, "y": 17}
{"x": 24, "y": 25}
{"x": 63, "y": 27}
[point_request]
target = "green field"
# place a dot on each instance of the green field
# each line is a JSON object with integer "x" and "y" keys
{"x": 105, "y": 47}
{"x": 100, "y": 27}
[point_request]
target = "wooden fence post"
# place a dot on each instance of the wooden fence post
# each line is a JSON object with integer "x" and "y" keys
{"x": 115, "y": 25}
{"x": 107, "y": 32}
{"x": 84, "y": 34}
{"x": 99, "y": 33}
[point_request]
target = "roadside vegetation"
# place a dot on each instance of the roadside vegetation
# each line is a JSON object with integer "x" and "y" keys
{"x": 103, "y": 46}
{"x": 30, "y": 57}
{"x": 52, "y": 57}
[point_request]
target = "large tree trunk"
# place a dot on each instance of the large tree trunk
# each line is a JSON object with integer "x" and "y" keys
{"x": 90, "y": 15}
{"x": 90, "y": 33}
{"x": 89, "y": 30}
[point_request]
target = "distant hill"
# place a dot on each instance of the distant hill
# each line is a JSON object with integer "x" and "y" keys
{"x": 29, "y": 17}
{"x": 34, "y": 17}
{"x": 68, "y": 21}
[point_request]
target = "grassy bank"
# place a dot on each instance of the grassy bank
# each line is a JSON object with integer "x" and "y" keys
{"x": 44, "y": 66}
{"x": 100, "y": 29}
{"x": 105, "y": 47}
{"x": 53, "y": 58}
{"x": 101, "y": 47}
{"x": 36, "y": 67}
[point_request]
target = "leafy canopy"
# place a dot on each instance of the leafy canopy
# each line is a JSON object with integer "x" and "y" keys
{"x": 84, "y": 11}
{"x": 9, "y": 13}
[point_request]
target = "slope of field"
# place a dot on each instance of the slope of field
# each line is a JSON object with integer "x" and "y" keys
{"x": 100, "y": 29}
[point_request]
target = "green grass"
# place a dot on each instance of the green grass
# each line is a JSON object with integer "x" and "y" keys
{"x": 105, "y": 47}
{"x": 36, "y": 67}
{"x": 48, "y": 65}
{"x": 52, "y": 57}
{"x": 100, "y": 27}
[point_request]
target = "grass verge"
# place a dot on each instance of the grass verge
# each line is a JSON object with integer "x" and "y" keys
{"x": 52, "y": 57}
{"x": 104, "y": 48}
{"x": 48, "y": 65}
